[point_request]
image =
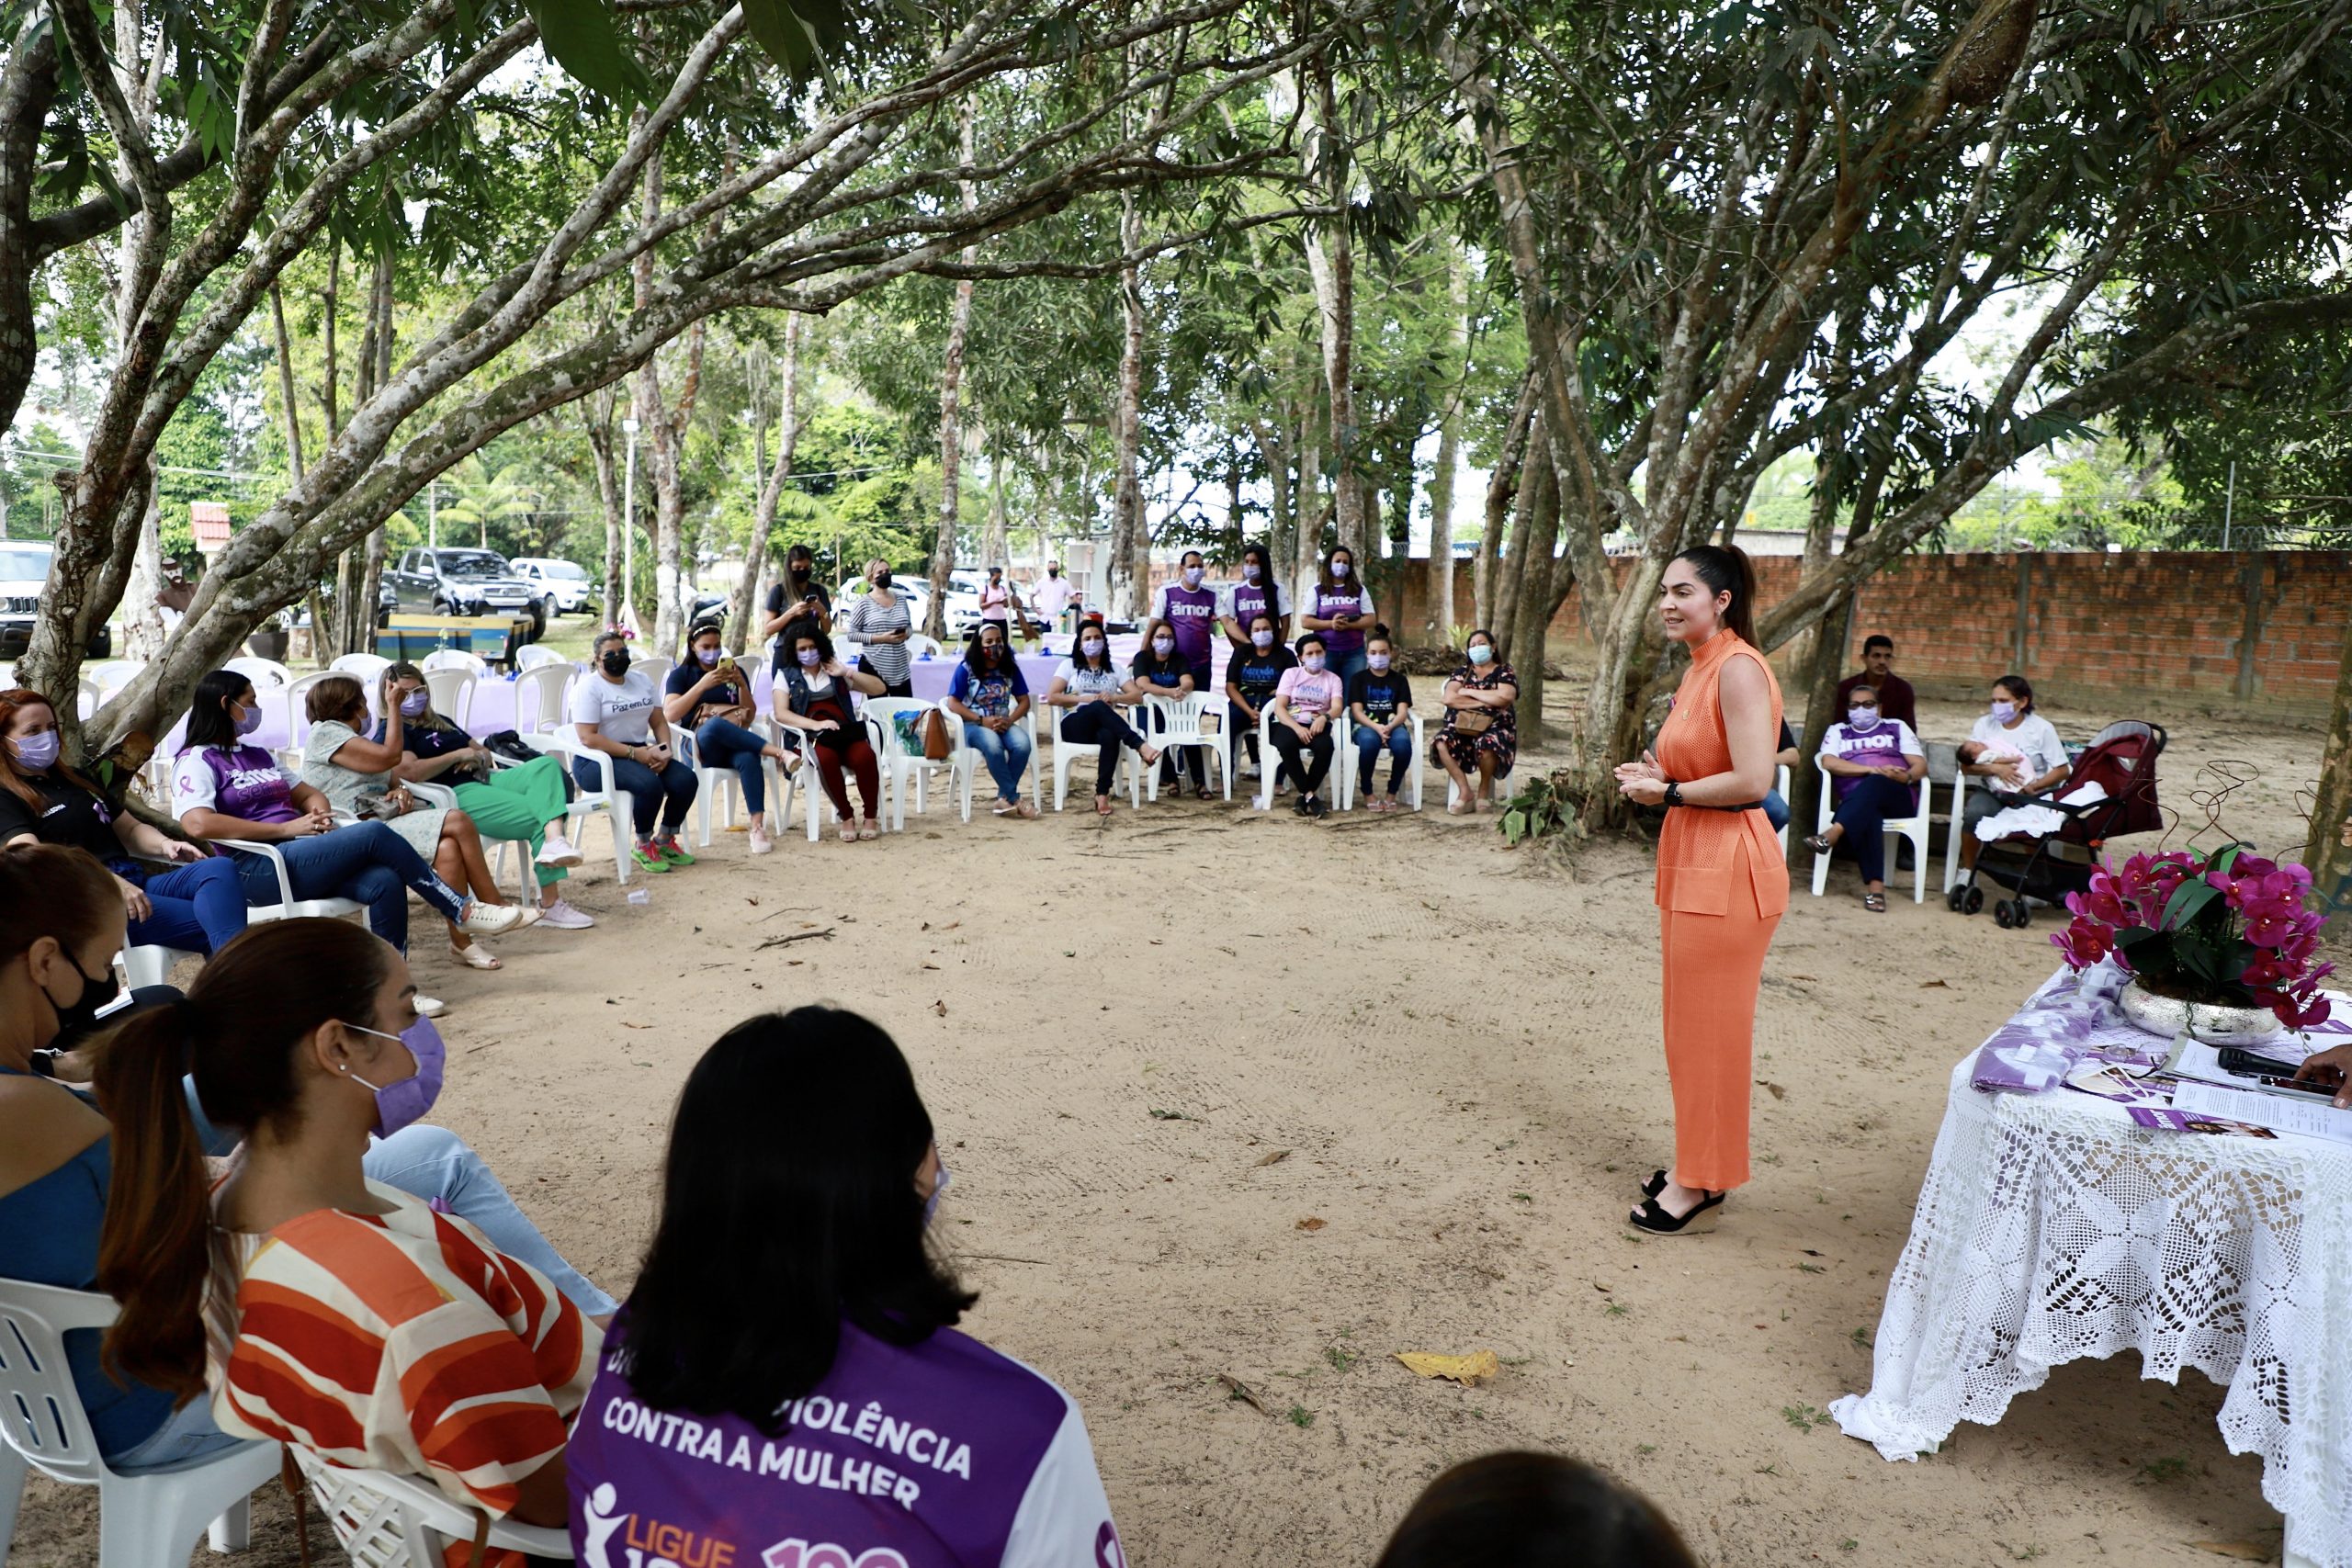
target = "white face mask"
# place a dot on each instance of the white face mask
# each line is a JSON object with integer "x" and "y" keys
{"x": 1163, "y": 646}
{"x": 1376, "y": 662}
{"x": 1091, "y": 647}
{"x": 1193, "y": 576}
{"x": 1481, "y": 654}
{"x": 1312, "y": 663}
{"x": 1339, "y": 569}
{"x": 1249, "y": 571}
{"x": 1263, "y": 639}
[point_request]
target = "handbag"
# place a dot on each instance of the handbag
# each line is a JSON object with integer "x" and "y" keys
{"x": 936, "y": 746}
{"x": 1473, "y": 721}
{"x": 509, "y": 745}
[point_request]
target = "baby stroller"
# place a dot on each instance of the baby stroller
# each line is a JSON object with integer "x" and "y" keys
{"x": 2122, "y": 761}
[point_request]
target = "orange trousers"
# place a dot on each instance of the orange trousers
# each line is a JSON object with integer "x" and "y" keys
{"x": 1713, "y": 966}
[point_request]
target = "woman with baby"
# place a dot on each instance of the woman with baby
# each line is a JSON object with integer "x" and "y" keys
{"x": 2011, "y": 749}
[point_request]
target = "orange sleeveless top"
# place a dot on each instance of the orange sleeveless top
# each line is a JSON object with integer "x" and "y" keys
{"x": 1698, "y": 854}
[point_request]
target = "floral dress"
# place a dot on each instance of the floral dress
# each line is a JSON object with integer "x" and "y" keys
{"x": 1500, "y": 740}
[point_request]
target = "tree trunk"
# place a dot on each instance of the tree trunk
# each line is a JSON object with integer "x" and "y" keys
{"x": 1130, "y": 584}
{"x": 1821, "y": 669}
{"x": 1449, "y": 458}
{"x": 608, "y": 491}
{"x": 1531, "y": 602}
{"x": 1502, "y": 493}
{"x": 1306, "y": 514}
{"x": 951, "y": 415}
{"x": 996, "y": 549}
{"x": 755, "y": 548}
{"x": 1331, "y": 265}
{"x": 2325, "y": 852}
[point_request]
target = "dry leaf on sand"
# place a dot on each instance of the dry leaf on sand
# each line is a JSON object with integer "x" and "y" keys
{"x": 1471, "y": 1371}
{"x": 1310, "y": 1223}
{"x": 1236, "y": 1389}
{"x": 1275, "y": 1158}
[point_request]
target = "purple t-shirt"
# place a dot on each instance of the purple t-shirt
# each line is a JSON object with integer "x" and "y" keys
{"x": 1890, "y": 744}
{"x": 1191, "y": 613}
{"x": 938, "y": 1455}
{"x": 1350, "y": 600}
{"x": 244, "y": 782}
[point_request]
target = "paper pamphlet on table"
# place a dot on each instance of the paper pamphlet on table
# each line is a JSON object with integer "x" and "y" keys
{"x": 2308, "y": 1115}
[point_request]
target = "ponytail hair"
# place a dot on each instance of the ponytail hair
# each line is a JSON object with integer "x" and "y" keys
{"x": 235, "y": 1033}
{"x": 1726, "y": 568}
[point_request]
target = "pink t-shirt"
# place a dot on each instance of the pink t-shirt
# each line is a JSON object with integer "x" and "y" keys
{"x": 1309, "y": 695}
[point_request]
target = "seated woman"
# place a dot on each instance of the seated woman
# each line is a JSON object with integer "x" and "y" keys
{"x": 989, "y": 692}
{"x": 1094, "y": 691}
{"x": 1874, "y": 764}
{"x": 356, "y": 776}
{"x": 194, "y": 902}
{"x": 1481, "y": 731}
{"x": 1784, "y": 755}
{"x": 1252, "y": 674}
{"x": 1307, "y": 703}
{"x": 527, "y": 801}
{"x": 2010, "y": 748}
{"x": 340, "y": 1313}
{"x": 792, "y": 1313}
{"x": 1533, "y": 1510}
{"x": 1380, "y": 700}
{"x": 711, "y": 695}
{"x": 813, "y": 697}
{"x": 1160, "y": 670}
{"x": 61, "y": 922}
{"x": 224, "y": 788}
{"x": 616, "y": 711}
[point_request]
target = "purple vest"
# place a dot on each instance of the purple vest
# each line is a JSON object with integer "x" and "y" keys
{"x": 1348, "y": 601}
{"x": 248, "y": 784}
{"x": 1191, "y": 613}
{"x": 1882, "y": 747}
{"x": 904, "y": 1458}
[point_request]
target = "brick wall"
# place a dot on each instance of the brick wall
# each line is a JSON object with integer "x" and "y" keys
{"x": 2254, "y": 629}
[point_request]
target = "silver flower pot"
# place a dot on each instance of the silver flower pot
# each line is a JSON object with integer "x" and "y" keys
{"x": 2216, "y": 1023}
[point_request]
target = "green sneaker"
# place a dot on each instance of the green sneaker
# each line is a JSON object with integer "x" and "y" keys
{"x": 648, "y": 859}
{"x": 674, "y": 852}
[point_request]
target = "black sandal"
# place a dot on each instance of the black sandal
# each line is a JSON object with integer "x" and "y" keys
{"x": 1874, "y": 902}
{"x": 1818, "y": 843}
{"x": 1650, "y": 1217}
{"x": 1654, "y": 1185}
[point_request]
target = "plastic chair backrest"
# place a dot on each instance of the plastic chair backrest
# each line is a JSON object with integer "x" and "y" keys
{"x": 456, "y": 658}
{"x": 539, "y": 698}
{"x": 297, "y": 723}
{"x": 1180, "y": 720}
{"x": 111, "y": 675}
{"x": 267, "y": 674}
{"x": 40, "y": 1412}
{"x": 452, "y": 692}
{"x": 368, "y": 667}
{"x": 383, "y": 1520}
{"x": 530, "y": 656}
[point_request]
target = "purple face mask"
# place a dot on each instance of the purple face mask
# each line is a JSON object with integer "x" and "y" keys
{"x": 36, "y": 753}
{"x": 414, "y": 704}
{"x": 405, "y": 1102}
{"x": 708, "y": 655}
{"x": 930, "y": 1204}
{"x": 248, "y": 719}
{"x": 809, "y": 657}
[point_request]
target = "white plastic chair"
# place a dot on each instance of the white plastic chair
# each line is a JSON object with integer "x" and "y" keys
{"x": 563, "y": 744}
{"x": 1343, "y": 762}
{"x": 540, "y": 698}
{"x": 901, "y": 767}
{"x": 150, "y": 965}
{"x": 1953, "y": 829}
{"x": 453, "y": 691}
{"x": 297, "y": 723}
{"x": 920, "y": 647}
{"x": 267, "y": 674}
{"x": 288, "y": 908}
{"x": 368, "y": 668}
{"x": 383, "y": 1520}
{"x": 1068, "y": 754}
{"x": 979, "y": 767}
{"x": 459, "y": 658}
{"x": 1270, "y": 762}
{"x": 148, "y": 1520}
{"x": 1175, "y": 723}
{"x": 1914, "y": 828}
{"x": 86, "y": 698}
{"x": 1780, "y": 785}
{"x": 530, "y": 656}
{"x": 111, "y": 675}
{"x": 725, "y": 784}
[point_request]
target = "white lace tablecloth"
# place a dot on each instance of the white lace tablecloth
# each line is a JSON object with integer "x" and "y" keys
{"x": 2051, "y": 1228}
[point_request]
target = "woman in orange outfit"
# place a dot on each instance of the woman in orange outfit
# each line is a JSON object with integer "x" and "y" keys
{"x": 1722, "y": 883}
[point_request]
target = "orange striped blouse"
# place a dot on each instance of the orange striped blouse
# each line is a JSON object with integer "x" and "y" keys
{"x": 403, "y": 1342}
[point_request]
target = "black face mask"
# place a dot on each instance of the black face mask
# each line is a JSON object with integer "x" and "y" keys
{"x": 82, "y": 1016}
{"x": 616, "y": 662}
{"x": 1053, "y": 572}
{"x": 799, "y": 574}
{"x": 882, "y": 579}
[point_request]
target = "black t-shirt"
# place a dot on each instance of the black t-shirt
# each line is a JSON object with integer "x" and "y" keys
{"x": 68, "y": 816}
{"x": 1788, "y": 740}
{"x": 1381, "y": 695}
{"x": 1168, "y": 671}
{"x": 1257, "y": 675}
{"x": 682, "y": 680}
{"x": 776, "y": 602}
{"x": 432, "y": 736}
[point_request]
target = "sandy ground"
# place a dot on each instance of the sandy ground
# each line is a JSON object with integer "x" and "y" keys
{"x": 1454, "y": 1050}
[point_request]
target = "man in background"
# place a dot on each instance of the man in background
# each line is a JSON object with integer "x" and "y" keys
{"x": 1895, "y": 696}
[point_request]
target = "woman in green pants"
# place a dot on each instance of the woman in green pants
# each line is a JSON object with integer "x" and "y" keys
{"x": 527, "y": 801}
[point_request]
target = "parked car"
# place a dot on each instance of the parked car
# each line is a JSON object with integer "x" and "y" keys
{"x": 24, "y": 577}
{"x": 463, "y": 582}
{"x": 563, "y": 586}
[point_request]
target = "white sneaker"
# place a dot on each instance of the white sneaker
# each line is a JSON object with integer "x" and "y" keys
{"x": 495, "y": 920}
{"x": 761, "y": 842}
{"x": 556, "y": 851}
{"x": 561, "y": 916}
{"x": 429, "y": 1006}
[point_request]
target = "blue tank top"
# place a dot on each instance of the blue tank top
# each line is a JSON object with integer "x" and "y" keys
{"x": 49, "y": 1235}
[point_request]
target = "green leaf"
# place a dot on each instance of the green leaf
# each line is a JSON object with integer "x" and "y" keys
{"x": 794, "y": 35}
{"x": 2225, "y": 857}
{"x": 580, "y": 35}
{"x": 2186, "y": 900}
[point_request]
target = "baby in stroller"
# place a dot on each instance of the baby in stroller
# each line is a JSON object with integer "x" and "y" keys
{"x": 2044, "y": 846}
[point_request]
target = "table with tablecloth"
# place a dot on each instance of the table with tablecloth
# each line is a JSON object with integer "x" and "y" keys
{"x": 2052, "y": 1226}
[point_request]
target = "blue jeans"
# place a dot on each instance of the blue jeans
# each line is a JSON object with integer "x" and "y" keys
{"x": 1863, "y": 813}
{"x": 197, "y": 907}
{"x": 1776, "y": 809}
{"x": 1006, "y": 754}
{"x": 666, "y": 796}
{"x": 1399, "y": 747}
{"x": 1345, "y": 665}
{"x": 365, "y": 862}
{"x": 723, "y": 744}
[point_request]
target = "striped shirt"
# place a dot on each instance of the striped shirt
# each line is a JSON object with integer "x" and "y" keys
{"x": 400, "y": 1342}
{"x": 869, "y": 619}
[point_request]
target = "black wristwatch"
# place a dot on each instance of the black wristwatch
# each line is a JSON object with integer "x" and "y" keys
{"x": 1673, "y": 792}
{"x": 43, "y": 1061}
